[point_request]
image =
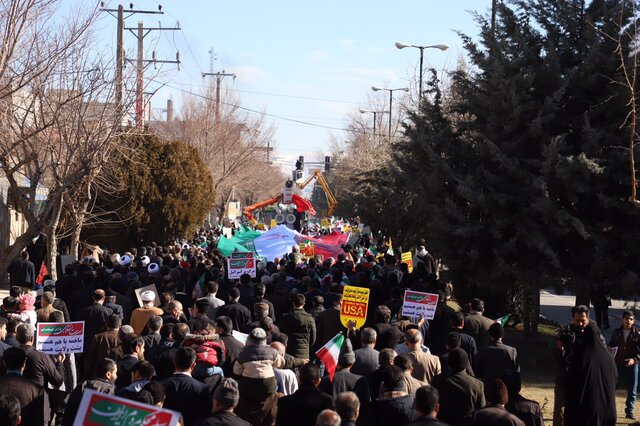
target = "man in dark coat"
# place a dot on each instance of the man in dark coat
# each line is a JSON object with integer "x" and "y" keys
{"x": 304, "y": 405}
{"x": 460, "y": 394}
{"x": 344, "y": 380}
{"x": 467, "y": 342}
{"x": 240, "y": 316}
{"x": 627, "y": 339}
{"x": 22, "y": 272}
{"x": 110, "y": 303}
{"x": 496, "y": 358}
{"x": 41, "y": 369}
{"x": 94, "y": 316}
{"x": 395, "y": 404}
{"x": 164, "y": 358}
{"x": 385, "y": 359}
{"x": 425, "y": 404}
{"x": 525, "y": 409}
{"x": 13, "y": 383}
{"x": 494, "y": 413}
{"x": 224, "y": 329}
{"x": 476, "y": 324}
{"x": 300, "y": 327}
{"x": 329, "y": 324}
{"x": 225, "y": 399}
{"x": 97, "y": 348}
{"x": 106, "y": 375}
{"x": 185, "y": 394}
{"x": 366, "y": 356}
{"x": 388, "y": 335}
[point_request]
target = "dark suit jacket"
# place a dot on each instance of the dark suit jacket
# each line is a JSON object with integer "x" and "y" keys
{"x": 427, "y": 421}
{"x": 62, "y": 307}
{"x": 329, "y": 325}
{"x": 233, "y": 348}
{"x": 493, "y": 415}
{"x": 366, "y": 361}
{"x": 302, "y": 407}
{"x": 98, "y": 349}
{"x": 494, "y": 360}
{"x": 460, "y": 396}
{"x": 187, "y": 396}
{"x": 22, "y": 273}
{"x": 94, "y": 317}
{"x": 477, "y": 325}
{"x": 117, "y": 309}
{"x": 344, "y": 381}
{"x": 223, "y": 418}
{"x": 151, "y": 340}
{"x": 42, "y": 370}
{"x": 240, "y": 316}
{"x": 31, "y": 397}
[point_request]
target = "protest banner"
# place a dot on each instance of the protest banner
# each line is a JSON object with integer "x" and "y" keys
{"x": 53, "y": 338}
{"x": 100, "y": 409}
{"x": 355, "y": 301}
{"x": 419, "y": 305}
{"x": 241, "y": 263}
{"x": 150, "y": 287}
{"x": 407, "y": 258}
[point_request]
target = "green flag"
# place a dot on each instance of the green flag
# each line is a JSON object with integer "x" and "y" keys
{"x": 503, "y": 320}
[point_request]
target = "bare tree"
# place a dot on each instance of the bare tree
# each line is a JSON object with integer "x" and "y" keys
{"x": 236, "y": 147}
{"x": 53, "y": 139}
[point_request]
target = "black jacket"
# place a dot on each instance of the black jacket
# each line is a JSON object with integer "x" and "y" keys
{"x": 188, "y": 396}
{"x": 629, "y": 348}
{"x": 302, "y": 407}
{"x": 393, "y": 411}
{"x": 99, "y": 385}
{"x": 223, "y": 418}
{"x": 240, "y": 316}
{"x": 233, "y": 348}
{"x": 94, "y": 317}
{"x": 41, "y": 369}
{"x": 22, "y": 273}
{"x": 31, "y": 397}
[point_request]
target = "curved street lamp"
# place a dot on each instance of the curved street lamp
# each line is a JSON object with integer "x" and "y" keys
{"x": 376, "y": 88}
{"x": 442, "y": 47}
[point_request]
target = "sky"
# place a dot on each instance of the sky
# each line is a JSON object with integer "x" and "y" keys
{"x": 307, "y": 65}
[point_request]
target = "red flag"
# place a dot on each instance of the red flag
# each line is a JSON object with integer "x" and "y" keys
{"x": 43, "y": 272}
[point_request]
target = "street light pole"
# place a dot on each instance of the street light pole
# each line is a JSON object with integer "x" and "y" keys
{"x": 442, "y": 47}
{"x": 375, "y": 89}
{"x": 375, "y": 114}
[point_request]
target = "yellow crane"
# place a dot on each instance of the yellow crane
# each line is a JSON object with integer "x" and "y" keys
{"x": 319, "y": 177}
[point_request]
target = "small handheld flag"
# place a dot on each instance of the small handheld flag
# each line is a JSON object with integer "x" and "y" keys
{"x": 329, "y": 354}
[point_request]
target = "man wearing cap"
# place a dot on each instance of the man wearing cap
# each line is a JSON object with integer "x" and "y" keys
{"x": 140, "y": 316}
{"x": 225, "y": 399}
{"x": 110, "y": 302}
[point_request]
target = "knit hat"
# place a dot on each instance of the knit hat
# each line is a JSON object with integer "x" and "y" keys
{"x": 258, "y": 336}
{"x": 227, "y": 392}
{"x": 346, "y": 357}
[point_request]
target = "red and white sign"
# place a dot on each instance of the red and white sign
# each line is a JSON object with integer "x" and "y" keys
{"x": 419, "y": 305}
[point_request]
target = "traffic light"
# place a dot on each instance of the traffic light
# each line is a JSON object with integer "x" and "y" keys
{"x": 327, "y": 163}
{"x": 300, "y": 163}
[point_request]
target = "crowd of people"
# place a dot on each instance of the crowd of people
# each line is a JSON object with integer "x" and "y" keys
{"x": 227, "y": 352}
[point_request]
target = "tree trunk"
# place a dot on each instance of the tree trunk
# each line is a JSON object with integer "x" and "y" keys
{"x": 52, "y": 240}
{"x": 77, "y": 230}
{"x": 13, "y": 251}
{"x": 530, "y": 310}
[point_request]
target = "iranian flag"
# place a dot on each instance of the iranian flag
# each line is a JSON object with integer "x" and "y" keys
{"x": 371, "y": 251}
{"x": 503, "y": 320}
{"x": 329, "y": 353}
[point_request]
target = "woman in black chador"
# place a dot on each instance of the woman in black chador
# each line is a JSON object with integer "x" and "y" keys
{"x": 591, "y": 382}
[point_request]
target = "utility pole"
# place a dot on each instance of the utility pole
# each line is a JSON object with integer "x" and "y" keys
{"x": 219, "y": 77}
{"x": 119, "y": 14}
{"x": 141, "y": 33}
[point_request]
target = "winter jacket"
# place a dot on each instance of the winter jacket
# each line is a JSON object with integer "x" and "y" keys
{"x": 257, "y": 362}
{"x": 210, "y": 350}
{"x": 301, "y": 329}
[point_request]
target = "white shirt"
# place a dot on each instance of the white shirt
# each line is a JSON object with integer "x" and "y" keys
{"x": 286, "y": 380}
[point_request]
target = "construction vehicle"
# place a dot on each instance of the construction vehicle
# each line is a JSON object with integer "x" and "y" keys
{"x": 317, "y": 175}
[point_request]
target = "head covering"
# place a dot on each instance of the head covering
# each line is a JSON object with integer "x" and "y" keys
{"x": 227, "y": 392}
{"x": 125, "y": 260}
{"x": 27, "y": 302}
{"x": 148, "y": 296}
{"x": 153, "y": 268}
{"x": 422, "y": 251}
{"x": 185, "y": 246}
{"x": 49, "y": 282}
{"x": 145, "y": 260}
{"x": 346, "y": 357}
{"x": 257, "y": 336}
